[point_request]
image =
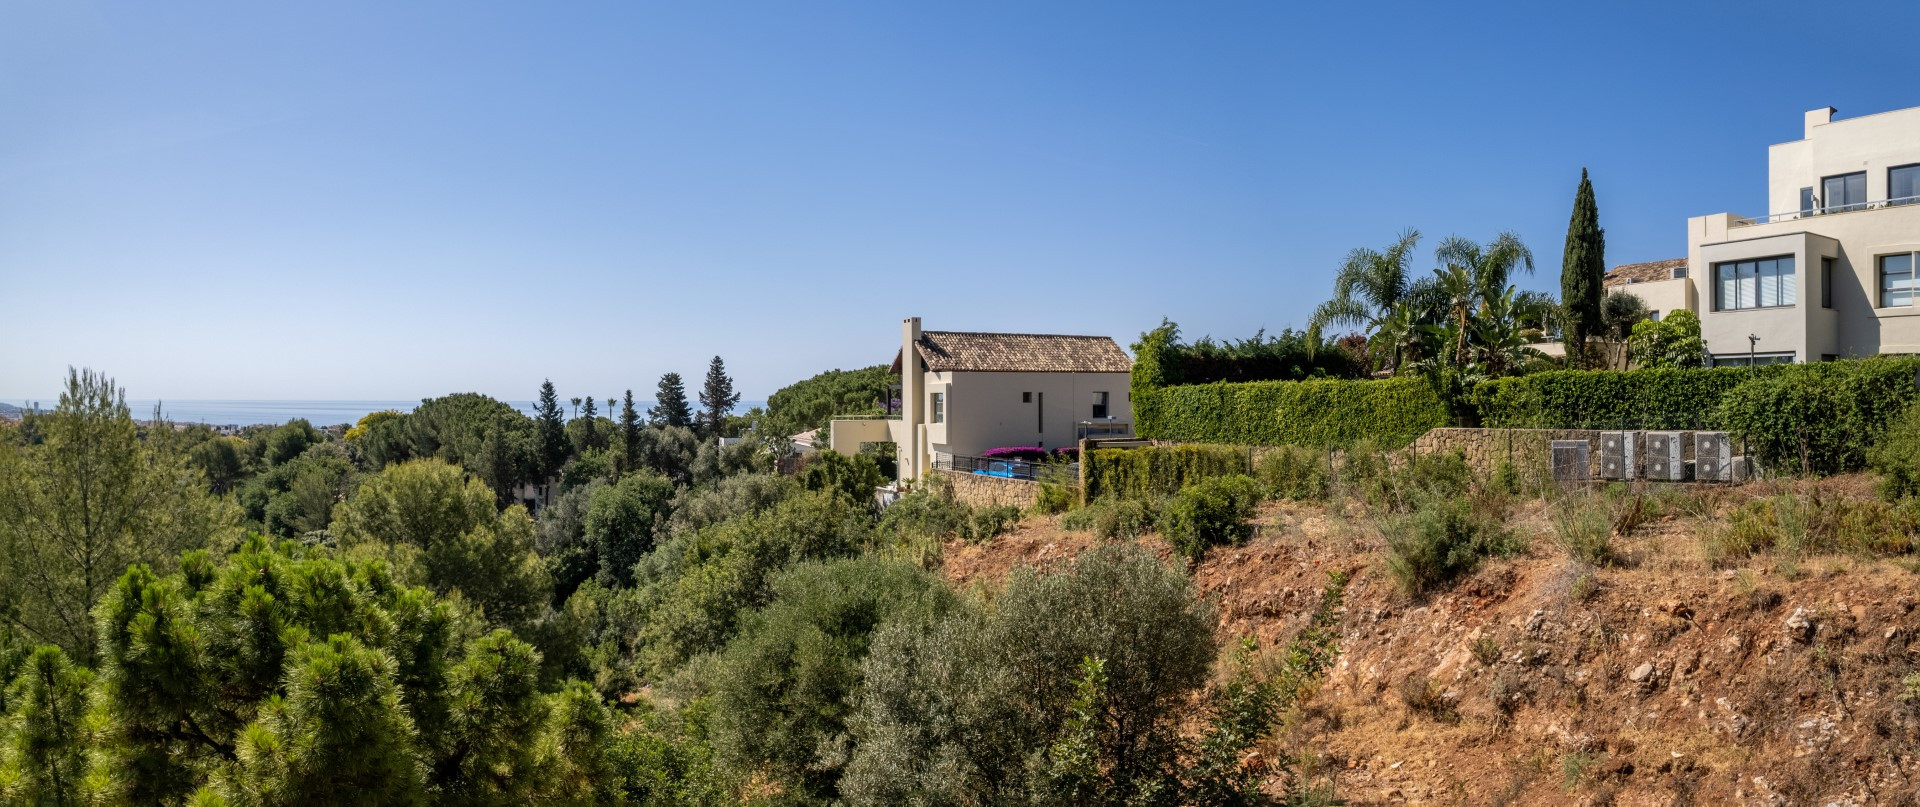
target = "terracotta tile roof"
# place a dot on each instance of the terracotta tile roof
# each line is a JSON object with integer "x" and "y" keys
{"x": 1643, "y": 272}
{"x": 954, "y": 351}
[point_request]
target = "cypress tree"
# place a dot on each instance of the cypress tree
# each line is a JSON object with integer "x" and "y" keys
{"x": 552, "y": 421}
{"x": 1582, "y": 270}
{"x": 717, "y": 397}
{"x": 671, "y": 408}
{"x": 590, "y": 433}
{"x": 629, "y": 434}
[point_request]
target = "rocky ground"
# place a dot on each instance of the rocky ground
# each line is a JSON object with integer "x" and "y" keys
{"x": 1656, "y": 680}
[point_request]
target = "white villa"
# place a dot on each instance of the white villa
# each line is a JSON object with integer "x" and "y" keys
{"x": 964, "y": 393}
{"x": 1829, "y": 272}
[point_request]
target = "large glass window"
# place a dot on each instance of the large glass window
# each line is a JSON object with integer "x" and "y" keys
{"x": 1896, "y": 280}
{"x": 1806, "y": 202}
{"x": 1903, "y": 185}
{"x": 1844, "y": 192}
{"x": 1762, "y": 283}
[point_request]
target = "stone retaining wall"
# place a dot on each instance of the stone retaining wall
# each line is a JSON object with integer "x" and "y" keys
{"x": 980, "y": 490}
{"x": 1530, "y": 450}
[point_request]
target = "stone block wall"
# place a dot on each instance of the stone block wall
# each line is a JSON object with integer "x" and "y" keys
{"x": 980, "y": 490}
{"x": 1530, "y": 450}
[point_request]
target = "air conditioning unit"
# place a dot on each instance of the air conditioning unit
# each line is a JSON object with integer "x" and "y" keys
{"x": 1616, "y": 455}
{"x": 1569, "y": 461}
{"x": 1712, "y": 457}
{"x": 1665, "y": 457}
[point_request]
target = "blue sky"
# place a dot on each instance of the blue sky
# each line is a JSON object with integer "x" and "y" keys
{"x": 373, "y": 200}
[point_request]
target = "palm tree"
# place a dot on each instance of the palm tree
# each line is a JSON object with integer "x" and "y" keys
{"x": 1473, "y": 279}
{"x": 1365, "y": 290}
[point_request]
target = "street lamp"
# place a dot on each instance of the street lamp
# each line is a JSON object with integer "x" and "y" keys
{"x": 1752, "y": 339}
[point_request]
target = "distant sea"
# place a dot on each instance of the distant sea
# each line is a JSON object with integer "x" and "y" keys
{"x": 318, "y": 413}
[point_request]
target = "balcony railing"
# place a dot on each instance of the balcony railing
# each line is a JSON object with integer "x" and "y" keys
{"x": 1005, "y": 469}
{"x": 1825, "y": 211}
{"x": 1102, "y": 428}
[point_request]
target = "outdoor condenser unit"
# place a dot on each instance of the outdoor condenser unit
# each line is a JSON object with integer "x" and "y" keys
{"x": 1570, "y": 461}
{"x": 1616, "y": 455}
{"x": 1664, "y": 457}
{"x": 1712, "y": 457}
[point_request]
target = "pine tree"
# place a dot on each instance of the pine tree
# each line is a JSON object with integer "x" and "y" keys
{"x": 589, "y": 429}
{"x": 671, "y": 407}
{"x": 46, "y": 762}
{"x": 1582, "y": 271}
{"x": 629, "y": 434}
{"x": 552, "y": 421}
{"x": 717, "y": 398}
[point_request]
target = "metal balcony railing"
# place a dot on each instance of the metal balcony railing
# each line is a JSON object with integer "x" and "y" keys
{"x": 1825, "y": 211}
{"x": 1005, "y": 469}
{"x": 1102, "y": 428}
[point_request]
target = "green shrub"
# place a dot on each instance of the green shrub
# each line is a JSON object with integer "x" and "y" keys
{"x": 989, "y": 523}
{"x": 1321, "y": 414}
{"x": 1897, "y": 457}
{"x": 1817, "y": 522}
{"x": 1583, "y": 528}
{"x": 1149, "y": 474}
{"x": 1053, "y": 498}
{"x": 930, "y": 512}
{"x": 1210, "y": 512}
{"x": 1111, "y": 518}
{"x": 1440, "y": 540}
{"x": 1420, "y": 476}
{"x": 1295, "y": 472}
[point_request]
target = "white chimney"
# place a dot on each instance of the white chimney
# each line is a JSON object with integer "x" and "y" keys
{"x": 1819, "y": 117}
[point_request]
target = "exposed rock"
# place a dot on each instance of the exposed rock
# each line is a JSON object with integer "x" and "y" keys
{"x": 1641, "y": 673}
{"x": 1799, "y": 626}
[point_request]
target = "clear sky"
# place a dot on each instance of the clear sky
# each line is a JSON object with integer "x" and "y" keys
{"x": 395, "y": 200}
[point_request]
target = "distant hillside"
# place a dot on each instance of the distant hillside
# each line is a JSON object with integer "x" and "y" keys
{"x": 9, "y": 411}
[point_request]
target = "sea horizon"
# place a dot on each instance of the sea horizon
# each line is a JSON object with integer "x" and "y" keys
{"x": 316, "y": 411}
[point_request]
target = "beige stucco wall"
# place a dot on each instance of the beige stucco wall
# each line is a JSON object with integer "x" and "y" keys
{"x": 986, "y": 410}
{"x": 1662, "y": 297}
{"x": 1855, "y": 325}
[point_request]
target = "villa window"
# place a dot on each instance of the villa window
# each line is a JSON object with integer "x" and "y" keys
{"x": 1680, "y": 272}
{"x": 1026, "y": 397}
{"x": 1903, "y": 185}
{"x": 939, "y": 407}
{"x": 1761, "y": 283}
{"x": 1896, "y": 280}
{"x": 1806, "y": 201}
{"x": 1099, "y": 405}
{"x": 1826, "y": 282}
{"x": 1845, "y": 192}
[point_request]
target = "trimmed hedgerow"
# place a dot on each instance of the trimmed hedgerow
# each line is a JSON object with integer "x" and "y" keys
{"x": 1150, "y": 474}
{"x": 1820, "y": 418}
{"x": 1608, "y": 399}
{"x": 1322, "y": 414}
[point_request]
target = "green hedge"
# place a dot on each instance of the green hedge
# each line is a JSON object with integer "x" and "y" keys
{"x": 1819, "y": 418}
{"x": 1309, "y": 413}
{"x": 1147, "y": 474}
{"x": 1608, "y": 399}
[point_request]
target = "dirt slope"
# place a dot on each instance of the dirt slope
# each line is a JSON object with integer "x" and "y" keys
{"x": 1541, "y": 681}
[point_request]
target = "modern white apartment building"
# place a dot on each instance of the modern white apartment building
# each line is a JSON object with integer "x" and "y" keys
{"x": 1829, "y": 271}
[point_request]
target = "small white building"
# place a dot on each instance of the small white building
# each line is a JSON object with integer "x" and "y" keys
{"x": 964, "y": 393}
